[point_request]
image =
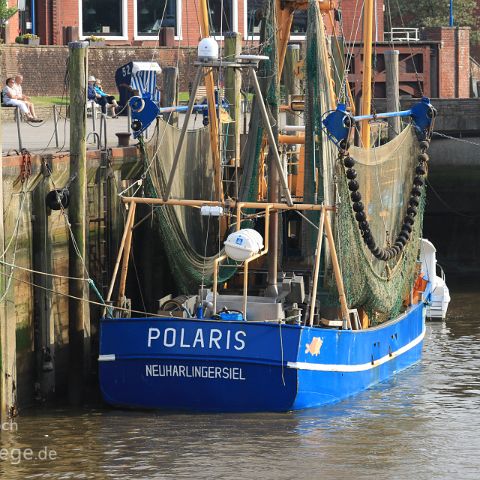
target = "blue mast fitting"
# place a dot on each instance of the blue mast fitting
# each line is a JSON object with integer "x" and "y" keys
{"x": 339, "y": 122}
{"x": 145, "y": 111}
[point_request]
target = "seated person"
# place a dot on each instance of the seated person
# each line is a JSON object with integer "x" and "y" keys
{"x": 20, "y": 96}
{"x": 11, "y": 99}
{"x": 96, "y": 94}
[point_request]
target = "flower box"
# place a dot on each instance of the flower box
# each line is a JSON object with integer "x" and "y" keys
{"x": 31, "y": 41}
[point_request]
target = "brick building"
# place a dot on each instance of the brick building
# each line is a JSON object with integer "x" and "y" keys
{"x": 137, "y": 22}
{"x": 434, "y": 61}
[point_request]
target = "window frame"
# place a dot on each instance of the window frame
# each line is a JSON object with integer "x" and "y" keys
{"x": 123, "y": 36}
{"x": 234, "y": 20}
{"x": 179, "y": 36}
{"x": 256, "y": 38}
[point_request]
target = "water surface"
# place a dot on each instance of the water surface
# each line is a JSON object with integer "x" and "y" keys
{"x": 422, "y": 424}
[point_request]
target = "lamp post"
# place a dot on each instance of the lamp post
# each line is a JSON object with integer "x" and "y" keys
{"x": 451, "y": 14}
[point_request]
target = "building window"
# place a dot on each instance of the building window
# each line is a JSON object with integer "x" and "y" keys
{"x": 299, "y": 24}
{"x": 102, "y": 18}
{"x": 254, "y": 17}
{"x": 155, "y": 14}
{"x": 221, "y": 18}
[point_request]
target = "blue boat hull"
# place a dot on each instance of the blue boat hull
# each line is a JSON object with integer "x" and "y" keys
{"x": 225, "y": 366}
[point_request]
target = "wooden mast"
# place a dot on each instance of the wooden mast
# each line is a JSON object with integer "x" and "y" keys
{"x": 367, "y": 69}
{"x": 212, "y": 111}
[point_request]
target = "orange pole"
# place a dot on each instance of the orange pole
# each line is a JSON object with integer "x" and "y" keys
{"x": 212, "y": 111}
{"x": 292, "y": 139}
{"x": 367, "y": 69}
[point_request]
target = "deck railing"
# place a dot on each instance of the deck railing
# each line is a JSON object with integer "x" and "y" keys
{"x": 402, "y": 34}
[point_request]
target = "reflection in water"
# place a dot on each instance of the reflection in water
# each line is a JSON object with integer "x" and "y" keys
{"x": 422, "y": 422}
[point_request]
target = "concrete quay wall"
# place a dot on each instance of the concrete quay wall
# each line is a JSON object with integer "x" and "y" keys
{"x": 36, "y": 320}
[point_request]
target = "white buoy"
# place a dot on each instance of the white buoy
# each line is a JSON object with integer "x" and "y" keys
{"x": 207, "y": 49}
{"x": 243, "y": 244}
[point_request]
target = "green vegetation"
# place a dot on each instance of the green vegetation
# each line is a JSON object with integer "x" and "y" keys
{"x": 26, "y": 36}
{"x": 432, "y": 13}
{"x": 183, "y": 97}
{"x": 6, "y": 12}
{"x": 47, "y": 101}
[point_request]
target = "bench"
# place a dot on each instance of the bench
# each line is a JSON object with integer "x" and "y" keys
{"x": 201, "y": 93}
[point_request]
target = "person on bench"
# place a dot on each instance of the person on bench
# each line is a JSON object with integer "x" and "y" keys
{"x": 10, "y": 100}
{"x": 20, "y": 96}
{"x": 108, "y": 99}
{"x": 96, "y": 94}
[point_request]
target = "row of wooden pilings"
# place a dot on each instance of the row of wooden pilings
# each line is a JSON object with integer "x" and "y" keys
{"x": 79, "y": 315}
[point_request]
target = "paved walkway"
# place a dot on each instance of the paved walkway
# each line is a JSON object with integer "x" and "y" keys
{"x": 40, "y": 137}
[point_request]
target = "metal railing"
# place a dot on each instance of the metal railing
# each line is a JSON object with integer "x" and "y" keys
{"x": 402, "y": 34}
{"x": 100, "y": 136}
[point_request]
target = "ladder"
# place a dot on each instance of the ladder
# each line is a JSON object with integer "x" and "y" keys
{"x": 97, "y": 246}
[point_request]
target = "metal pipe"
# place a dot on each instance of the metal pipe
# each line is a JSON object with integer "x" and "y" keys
{"x": 105, "y": 136}
{"x": 270, "y": 137}
{"x": 403, "y": 113}
{"x": 94, "y": 114}
{"x": 293, "y": 128}
{"x": 216, "y": 267}
{"x": 228, "y": 204}
{"x": 55, "y": 124}
{"x": 184, "y": 108}
{"x": 251, "y": 259}
{"x": 17, "y": 119}
{"x": 103, "y": 129}
{"x": 291, "y": 139}
{"x": 183, "y": 132}
{"x": 338, "y": 274}
{"x": 97, "y": 136}
{"x": 239, "y": 214}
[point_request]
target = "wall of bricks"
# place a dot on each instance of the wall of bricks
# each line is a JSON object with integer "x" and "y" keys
{"x": 44, "y": 68}
{"x": 453, "y": 60}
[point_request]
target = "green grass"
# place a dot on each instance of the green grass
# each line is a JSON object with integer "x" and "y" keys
{"x": 47, "y": 101}
{"x": 183, "y": 97}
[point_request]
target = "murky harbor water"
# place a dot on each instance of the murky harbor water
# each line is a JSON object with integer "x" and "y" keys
{"x": 423, "y": 424}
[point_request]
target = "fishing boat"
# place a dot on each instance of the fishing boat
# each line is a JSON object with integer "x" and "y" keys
{"x": 253, "y": 326}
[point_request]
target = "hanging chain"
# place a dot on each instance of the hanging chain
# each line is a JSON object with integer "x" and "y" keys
{"x": 26, "y": 166}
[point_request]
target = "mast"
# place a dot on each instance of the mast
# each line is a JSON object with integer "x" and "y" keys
{"x": 367, "y": 69}
{"x": 212, "y": 111}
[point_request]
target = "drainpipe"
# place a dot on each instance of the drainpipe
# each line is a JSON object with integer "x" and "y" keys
{"x": 32, "y": 14}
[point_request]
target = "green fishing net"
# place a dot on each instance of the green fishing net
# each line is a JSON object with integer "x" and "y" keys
{"x": 385, "y": 176}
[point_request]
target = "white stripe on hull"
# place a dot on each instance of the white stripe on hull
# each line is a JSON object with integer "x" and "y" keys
{"x": 327, "y": 367}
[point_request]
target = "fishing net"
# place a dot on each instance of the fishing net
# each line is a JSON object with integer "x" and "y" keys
{"x": 385, "y": 175}
{"x": 320, "y": 153}
{"x": 185, "y": 233}
{"x": 266, "y": 74}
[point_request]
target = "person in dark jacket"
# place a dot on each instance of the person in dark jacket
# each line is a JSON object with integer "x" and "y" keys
{"x": 96, "y": 94}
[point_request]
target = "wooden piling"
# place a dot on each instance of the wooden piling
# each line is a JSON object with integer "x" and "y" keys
{"x": 233, "y": 84}
{"x": 170, "y": 93}
{"x": 43, "y": 319}
{"x": 8, "y": 345}
{"x": 79, "y": 314}
{"x": 393, "y": 91}
{"x": 291, "y": 80}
